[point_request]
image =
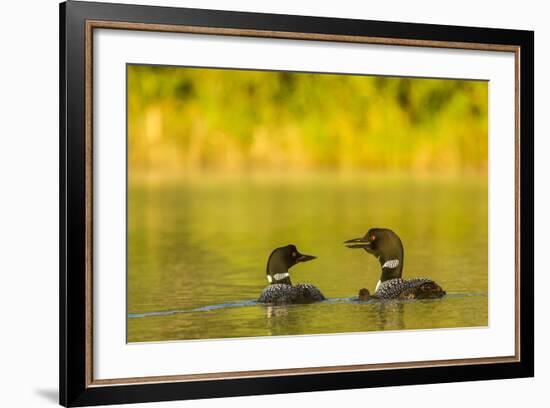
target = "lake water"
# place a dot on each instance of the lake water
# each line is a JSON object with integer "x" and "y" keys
{"x": 197, "y": 252}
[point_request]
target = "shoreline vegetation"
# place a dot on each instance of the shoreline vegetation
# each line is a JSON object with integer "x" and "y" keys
{"x": 202, "y": 121}
{"x": 147, "y": 176}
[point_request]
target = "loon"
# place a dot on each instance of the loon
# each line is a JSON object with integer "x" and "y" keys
{"x": 280, "y": 290}
{"x": 387, "y": 247}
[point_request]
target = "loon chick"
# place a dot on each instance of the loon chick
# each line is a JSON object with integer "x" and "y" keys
{"x": 385, "y": 245}
{"x": 280, "y": 290}
{"x": 364, "y": 295}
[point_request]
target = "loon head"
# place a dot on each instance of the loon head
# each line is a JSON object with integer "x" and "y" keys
{"x": 386, "y": 246}
{"x": 279, "y": 262}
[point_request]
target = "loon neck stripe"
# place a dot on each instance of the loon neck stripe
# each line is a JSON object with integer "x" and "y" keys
{"x": 392, "y": 263}
{"x": 277, "y": 277}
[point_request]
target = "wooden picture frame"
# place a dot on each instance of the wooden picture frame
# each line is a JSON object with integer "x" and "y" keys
{"x": 78, "y": 20}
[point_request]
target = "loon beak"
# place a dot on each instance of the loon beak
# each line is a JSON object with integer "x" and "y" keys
{"x": 304, "y": 258}
{"x": 357, "y": 243}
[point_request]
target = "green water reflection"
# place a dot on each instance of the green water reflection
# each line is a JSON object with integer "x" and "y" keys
{"x": 201, "y": 242}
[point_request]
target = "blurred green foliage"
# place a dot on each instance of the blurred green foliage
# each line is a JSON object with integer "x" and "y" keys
{"x": 197, "y": 119}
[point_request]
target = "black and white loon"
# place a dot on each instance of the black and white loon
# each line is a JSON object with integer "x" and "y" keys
{"x": 280, "y": 290}
{"x": 387, "y": 247}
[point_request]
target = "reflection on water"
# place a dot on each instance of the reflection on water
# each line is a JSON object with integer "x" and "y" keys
{"x": 197, "y": 253}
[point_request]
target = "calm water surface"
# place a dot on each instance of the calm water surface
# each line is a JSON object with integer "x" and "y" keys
{"x": 197, "y": 253}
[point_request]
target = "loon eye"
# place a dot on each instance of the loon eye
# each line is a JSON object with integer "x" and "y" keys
{"x": 372, "y": 238}
{"x": 294, "y": 254}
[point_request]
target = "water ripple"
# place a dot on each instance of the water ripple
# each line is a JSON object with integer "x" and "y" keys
{"x": 246, "y": 303}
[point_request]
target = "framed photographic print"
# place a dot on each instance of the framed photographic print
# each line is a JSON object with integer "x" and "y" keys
{"x": 256, "y": 203}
